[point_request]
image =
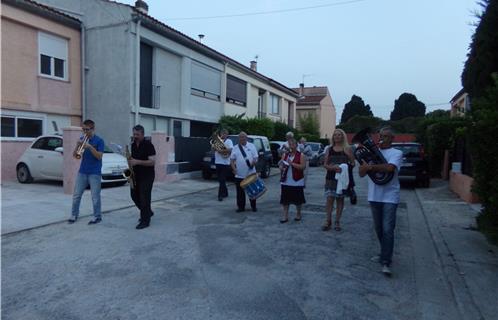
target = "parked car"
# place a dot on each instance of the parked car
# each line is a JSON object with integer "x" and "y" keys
{"x": 414, "y": 166}
{"x": 263, "y": 166}
{"x": 44, "y": 160}
{"x": 317, "y": 155}
{"x": 275, "y": 147}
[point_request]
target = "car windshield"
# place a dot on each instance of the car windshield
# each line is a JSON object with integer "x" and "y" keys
{"x": 107, "y": 149}
{"x": 315, "y": 146}
{"x": 409, "y": 150}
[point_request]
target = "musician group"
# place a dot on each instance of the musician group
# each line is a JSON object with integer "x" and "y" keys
{"x": 241, "y": 159}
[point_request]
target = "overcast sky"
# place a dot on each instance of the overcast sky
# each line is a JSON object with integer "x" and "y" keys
{"x": 376, "y": 49}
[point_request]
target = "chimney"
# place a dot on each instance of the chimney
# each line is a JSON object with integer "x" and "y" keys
{"x": 142, "y": 6}
{"x": 254, "y": 65}
{"x": 301, "y": 89}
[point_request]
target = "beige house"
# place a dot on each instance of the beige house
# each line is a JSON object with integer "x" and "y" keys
{"x": 250, "y": 93}
{"x": 41, "y": 76}
{"x": 460, "y": 104}
{"x": 316, "y": 101}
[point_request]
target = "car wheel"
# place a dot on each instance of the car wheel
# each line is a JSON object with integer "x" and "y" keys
{"x": 206, "y": 175}
{"x": 265, "y": 172}
{"x": 23, "y": 174}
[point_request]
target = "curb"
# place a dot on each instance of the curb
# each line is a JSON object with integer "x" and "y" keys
{"x": 454, "y": 277}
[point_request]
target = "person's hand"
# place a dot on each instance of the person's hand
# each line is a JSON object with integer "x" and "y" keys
{"x": 364, "y": 168}
{"x": 337, "y": 169}
{"x": 133, "y": 162}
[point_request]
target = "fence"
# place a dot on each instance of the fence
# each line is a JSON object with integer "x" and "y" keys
{"x": 189, "y": 151}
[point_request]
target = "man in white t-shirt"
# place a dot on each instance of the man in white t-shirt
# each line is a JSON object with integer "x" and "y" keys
{"x": 384, "y": 199}
{"x": 243, "y": 160}
{"x": 222, "y": 162}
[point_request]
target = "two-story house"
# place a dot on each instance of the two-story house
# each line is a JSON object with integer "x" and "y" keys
{"x": 41, "y": 76}
{"x": 460, "y": 104}
{"x": 140, "y": 70}
{"x": 316, "y": 101}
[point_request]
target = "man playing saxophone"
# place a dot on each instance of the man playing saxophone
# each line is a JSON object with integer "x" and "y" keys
{"x": 90, "y": 150}
{"x": 142, "y": 161}
{"x": 222, "y": 162}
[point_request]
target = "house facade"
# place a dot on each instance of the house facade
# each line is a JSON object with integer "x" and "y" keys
{"x": 460, "y": 104}
{"x": 41, "y": 76}
{"x": 251, "y": 93}
{"x": 139, "y": 70}
{"x": 316, "y": 101}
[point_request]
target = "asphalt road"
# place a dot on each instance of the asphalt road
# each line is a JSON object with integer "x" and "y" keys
{"x": 202, "y": 260}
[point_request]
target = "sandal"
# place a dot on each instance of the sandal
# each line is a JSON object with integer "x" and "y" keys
{"x": 337, "y": 226}
{"x": 326, "y": 226}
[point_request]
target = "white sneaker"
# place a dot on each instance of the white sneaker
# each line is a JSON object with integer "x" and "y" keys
{"x": 375, "y": 259}
{"x": 386, "y": 271}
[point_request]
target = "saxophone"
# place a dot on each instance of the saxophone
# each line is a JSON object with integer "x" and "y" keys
{"x": 128, "y": 173}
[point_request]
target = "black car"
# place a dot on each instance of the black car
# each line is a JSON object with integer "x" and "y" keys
{"x": 275, "y": 151}
{"x": 263, "y": 166}
{"x": 414, "y": 166}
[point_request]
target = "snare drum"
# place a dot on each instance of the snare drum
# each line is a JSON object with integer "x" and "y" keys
{"x": 253, "y": 185}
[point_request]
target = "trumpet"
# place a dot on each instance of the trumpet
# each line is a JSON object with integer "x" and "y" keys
{"x": 81, "y": 147}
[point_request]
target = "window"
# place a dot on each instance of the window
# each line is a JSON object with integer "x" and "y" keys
{"x": 275, "y": 104}
{"x": 236, "y": 91}
{"x": 146, "y": 52}
{"x": 177, "y": 128}
{"x": 48, "y": 143}
{"x": 258, "y": 144}
{"x": 21, "y": 127}
{"x": 206, "y": 81}
{"x": 53, "y": 56}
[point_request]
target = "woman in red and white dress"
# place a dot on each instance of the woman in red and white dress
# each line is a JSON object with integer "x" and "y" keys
{"x": 292, "y": 167}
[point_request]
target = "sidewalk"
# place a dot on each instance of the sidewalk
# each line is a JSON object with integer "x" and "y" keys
{"x": 469, "y": 262}
{"x": 26, "y": 206}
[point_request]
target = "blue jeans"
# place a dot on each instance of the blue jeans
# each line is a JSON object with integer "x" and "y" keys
{"x": 384, "y": 217}
{"x": 82, "y": 181}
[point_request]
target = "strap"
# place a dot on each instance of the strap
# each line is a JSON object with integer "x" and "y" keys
{"x": 245, "y": 156}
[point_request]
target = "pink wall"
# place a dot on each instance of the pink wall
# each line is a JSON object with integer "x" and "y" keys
{"x": 11, "y": 152}
{"x": 461, "y": 184}
{"x": 165, "y": 153}
{"x": 22, "y": 88}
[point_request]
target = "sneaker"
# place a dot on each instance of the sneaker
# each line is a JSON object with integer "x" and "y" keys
{"x": 95, "y": 221}
{"x": 375, "y": 259}
{"x": 386, "y": 270}
{"x": 72, "y": 219}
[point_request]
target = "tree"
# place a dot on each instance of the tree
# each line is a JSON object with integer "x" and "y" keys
{"x": 407, "y": 105}
{"x": 357, "y": 123}
{"x": 482, "y": 59}
{"x": 281, "y": 128}
{"x": 355, "y": 107}
{"x": 309, "y": 124}
{"x": 439, "y": 113}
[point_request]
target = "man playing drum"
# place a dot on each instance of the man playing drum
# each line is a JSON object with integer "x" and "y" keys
{"x": 243, "y": 161}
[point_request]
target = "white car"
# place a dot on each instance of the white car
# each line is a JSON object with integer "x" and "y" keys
{"x": 44, "y": 160}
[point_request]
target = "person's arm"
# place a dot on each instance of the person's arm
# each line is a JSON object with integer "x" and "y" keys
{"x": 255, "y": 156}
{"x": 350, "y": 155}
{"x": 233, "y": 165}
{"x": 96, "y": 152}
{"x": 394, "y": 162}
{"x": 301, "y": 165}
{"x": 151, "y": 159}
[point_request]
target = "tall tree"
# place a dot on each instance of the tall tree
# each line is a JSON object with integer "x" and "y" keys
{"x": 355, "y": 107}
{"x": 407, "y": 105}
{"x": 482, "y": 59}
{"x": 309, "y": 124}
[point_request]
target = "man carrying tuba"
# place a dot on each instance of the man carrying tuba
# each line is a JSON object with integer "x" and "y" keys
{"x": 384, "y": 198}
{"x": 222, "y": 147}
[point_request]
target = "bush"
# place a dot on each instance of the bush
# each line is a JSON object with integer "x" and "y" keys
{"x": 260, "y": 127}
{"x": 280, "y": 129}
{"x": 484, "y": 147}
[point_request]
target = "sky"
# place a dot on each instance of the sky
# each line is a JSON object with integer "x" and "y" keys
{"x": 376, "y": 49}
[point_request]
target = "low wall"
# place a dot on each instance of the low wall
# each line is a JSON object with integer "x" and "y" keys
{"x": 11, "y": 152}
{"x": 461, "y": 184}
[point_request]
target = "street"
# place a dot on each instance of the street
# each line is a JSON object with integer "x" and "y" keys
{"x": 202, "y": 260}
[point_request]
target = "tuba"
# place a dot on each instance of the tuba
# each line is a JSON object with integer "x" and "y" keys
{"x": 218, "y": 145}
{"x": 366, "y": 149}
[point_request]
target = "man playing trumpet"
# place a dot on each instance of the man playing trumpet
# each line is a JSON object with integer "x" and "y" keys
{"x": 90, "y": 150}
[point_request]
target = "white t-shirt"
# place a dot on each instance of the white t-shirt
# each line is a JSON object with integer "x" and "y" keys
{"x": 289, "y": 181}
{"x": 218, "y": 158}
{"x": 242, "y": 170}
{"x": 388, "y": 193}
